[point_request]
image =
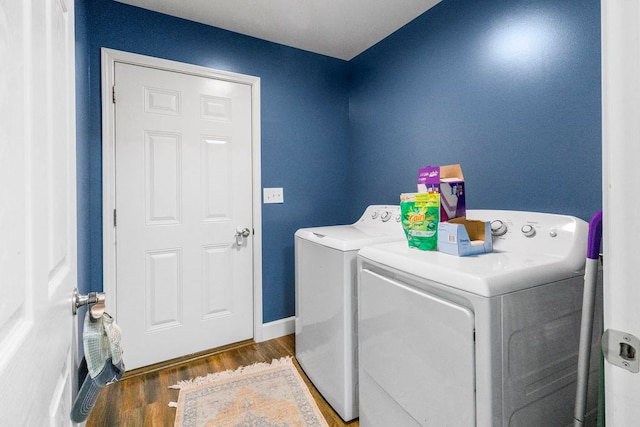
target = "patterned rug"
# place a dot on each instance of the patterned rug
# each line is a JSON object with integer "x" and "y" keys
{"x": 260, "y": 395}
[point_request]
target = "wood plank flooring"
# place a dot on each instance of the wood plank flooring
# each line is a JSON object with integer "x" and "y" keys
{"x": 141, "y": 397}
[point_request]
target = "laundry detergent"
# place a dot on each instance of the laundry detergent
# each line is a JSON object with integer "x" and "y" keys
{"x": 420, "y": 217}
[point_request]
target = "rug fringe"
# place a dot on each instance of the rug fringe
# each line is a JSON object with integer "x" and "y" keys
{"x": 287, "y": 360}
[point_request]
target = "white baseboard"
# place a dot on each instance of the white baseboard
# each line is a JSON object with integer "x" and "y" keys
{"x": 277, "y": 328}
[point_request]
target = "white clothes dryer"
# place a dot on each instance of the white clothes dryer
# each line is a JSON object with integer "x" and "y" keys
{"x": 325, "y": 271}
{"x": 486, "y": 340}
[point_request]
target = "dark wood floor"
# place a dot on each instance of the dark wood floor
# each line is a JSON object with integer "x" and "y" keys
{"x": 141, "y": 397}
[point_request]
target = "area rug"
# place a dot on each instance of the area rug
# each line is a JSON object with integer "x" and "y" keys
{"x": 260, "y": 395}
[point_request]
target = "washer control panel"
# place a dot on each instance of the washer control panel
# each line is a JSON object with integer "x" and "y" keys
{"x": 376, "y": 215}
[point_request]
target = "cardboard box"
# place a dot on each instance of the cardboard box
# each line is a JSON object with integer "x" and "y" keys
{"x": 449, "y": 182}
{"x": 464, "y": 237}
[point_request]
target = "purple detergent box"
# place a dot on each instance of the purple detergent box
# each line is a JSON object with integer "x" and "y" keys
{"x": 449, "y": 182}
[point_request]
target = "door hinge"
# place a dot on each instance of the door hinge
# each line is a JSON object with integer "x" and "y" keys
{"x": 113, "y": 94}
{"x": 115, "y": 221}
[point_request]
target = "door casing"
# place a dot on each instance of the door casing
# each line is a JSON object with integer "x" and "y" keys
{"x": 109, "y": 58}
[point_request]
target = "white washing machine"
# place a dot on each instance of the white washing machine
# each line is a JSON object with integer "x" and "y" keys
{"x": 487, "y": 340}
{"x": 325, "y": 264}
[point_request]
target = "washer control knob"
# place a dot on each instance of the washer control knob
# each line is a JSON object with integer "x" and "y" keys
{"x": 528, "y": 230}
{"x": 397, "y": 217}
{"x": 386, "y": 216}
{"x": 498, "y": 228}
{"x": 374, "y": 215}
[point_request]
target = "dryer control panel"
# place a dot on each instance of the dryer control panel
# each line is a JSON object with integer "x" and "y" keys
{"x": 534, "y": 232}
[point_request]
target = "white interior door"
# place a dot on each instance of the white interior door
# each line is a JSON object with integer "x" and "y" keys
{"x": 183, "y": 190}
{"x": 37, "y": 212}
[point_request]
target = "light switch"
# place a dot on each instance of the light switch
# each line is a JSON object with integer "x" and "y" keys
{"x": 273, "y": 195}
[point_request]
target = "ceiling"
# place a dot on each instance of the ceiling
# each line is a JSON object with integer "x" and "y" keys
{"x": 337, "y": 28}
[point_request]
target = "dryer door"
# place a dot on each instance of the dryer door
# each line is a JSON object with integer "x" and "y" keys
{"x": 416, "y": 356}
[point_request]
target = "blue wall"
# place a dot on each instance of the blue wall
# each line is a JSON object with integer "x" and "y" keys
{"x": 304, "y": 109}
{"x": 510, "y": 89}
{"x": 82, "y": 134}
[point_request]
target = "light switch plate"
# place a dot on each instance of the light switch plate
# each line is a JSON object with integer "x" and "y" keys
{"x": 273, "y": 195}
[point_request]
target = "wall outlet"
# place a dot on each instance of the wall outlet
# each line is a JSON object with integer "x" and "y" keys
{"x": 273, "y": 195}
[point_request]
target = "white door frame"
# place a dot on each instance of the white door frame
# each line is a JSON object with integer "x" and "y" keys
{"x": 109, "y": 58}
{"x": 620, "y": 181}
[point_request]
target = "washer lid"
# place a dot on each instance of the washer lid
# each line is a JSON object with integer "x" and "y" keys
{"x": 487, "y": 275}
{"x": 349, "y": 237}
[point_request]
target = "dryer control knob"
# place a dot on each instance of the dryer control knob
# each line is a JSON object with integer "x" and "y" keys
{"x": 374, "y": 215}
{"x": 528, "y": 230}
{"x": 498, "y": 228}
{"x": 386, "y": 216}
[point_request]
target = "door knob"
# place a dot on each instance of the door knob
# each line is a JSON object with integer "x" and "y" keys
{"x": 242, "y": 232}
{"x": 91, "y": 298}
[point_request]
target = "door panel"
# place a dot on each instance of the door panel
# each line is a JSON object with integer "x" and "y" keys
{"x": 162, "y": 164}
{"x": 37, "y": 211}
{"x": 183, "y": 187}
